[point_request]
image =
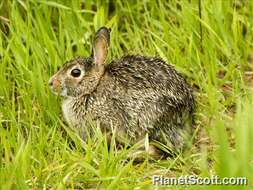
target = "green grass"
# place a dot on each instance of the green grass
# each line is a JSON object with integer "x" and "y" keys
{"x": 37, "y": 151}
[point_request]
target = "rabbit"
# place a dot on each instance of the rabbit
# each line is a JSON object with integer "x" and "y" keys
{"x": 135, "y": 95}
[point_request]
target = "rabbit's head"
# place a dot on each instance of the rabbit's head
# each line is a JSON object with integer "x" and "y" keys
{"x": 80, "y": 76}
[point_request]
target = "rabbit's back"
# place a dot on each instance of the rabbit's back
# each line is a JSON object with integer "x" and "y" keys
{"x": 151, "y": 75}
{"x": 143, "y": 94}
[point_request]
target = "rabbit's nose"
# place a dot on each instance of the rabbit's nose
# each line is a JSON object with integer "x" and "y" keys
{"x": 54, "y": 83}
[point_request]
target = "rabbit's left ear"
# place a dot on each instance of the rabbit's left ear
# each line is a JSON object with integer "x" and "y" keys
{"x": 100, "y": 45}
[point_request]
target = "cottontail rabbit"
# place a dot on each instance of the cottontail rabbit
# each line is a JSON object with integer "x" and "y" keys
{"x": 137, "y": 95}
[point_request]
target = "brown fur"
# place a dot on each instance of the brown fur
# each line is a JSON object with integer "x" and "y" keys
{"x": 136, "y": 95}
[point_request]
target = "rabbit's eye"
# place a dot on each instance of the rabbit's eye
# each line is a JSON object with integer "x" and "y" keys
{"x": 76, "y": 72}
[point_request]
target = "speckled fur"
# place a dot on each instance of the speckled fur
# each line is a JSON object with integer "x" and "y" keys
{"x": 136, "y": 95}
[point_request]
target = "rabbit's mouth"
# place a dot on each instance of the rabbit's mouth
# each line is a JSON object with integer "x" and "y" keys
{"x": 59, "y": 91}
{"x": 62, "y": 92}
{"x": 57, "y": 88}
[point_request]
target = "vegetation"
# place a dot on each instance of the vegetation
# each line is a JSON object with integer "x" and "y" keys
{"x": 209, "y": 41}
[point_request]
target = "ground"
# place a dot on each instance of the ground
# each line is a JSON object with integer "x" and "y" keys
{"x": 209, "y": 41}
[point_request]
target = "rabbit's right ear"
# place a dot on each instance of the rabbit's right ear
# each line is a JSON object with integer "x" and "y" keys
{"x": 100, "y": 45}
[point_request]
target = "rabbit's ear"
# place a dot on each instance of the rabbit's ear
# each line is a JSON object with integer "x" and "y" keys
{"x": 100, "y": 45}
